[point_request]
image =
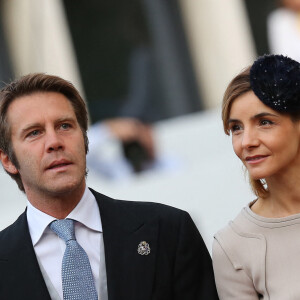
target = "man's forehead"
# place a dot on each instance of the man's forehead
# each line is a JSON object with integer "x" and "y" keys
{"x": 38, "y": 99}
{"x": 38, "y": 106}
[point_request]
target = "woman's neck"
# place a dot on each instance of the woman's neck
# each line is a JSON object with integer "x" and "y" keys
{"x": 283, "y": 199}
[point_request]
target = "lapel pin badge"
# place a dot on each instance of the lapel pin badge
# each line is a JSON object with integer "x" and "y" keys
{"x": 143, "y": 248}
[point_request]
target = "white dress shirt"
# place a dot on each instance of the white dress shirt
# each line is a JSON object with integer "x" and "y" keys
{"x": 49, "y": 248}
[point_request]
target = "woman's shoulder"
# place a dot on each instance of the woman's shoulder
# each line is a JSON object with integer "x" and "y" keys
{"x": 237, "y": 238}
{"x": 241, "y": 226}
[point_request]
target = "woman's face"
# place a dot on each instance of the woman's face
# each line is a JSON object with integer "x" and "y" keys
{"x": 267, "y": 142}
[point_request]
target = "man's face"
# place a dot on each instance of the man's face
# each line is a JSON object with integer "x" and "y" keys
{"x": 48, "y": 144}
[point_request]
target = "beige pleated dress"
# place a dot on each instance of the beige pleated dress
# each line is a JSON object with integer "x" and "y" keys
{"x": 258, "y": 258}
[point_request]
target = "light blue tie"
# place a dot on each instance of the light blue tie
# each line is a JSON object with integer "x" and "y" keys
{"x": 77, "y": 278}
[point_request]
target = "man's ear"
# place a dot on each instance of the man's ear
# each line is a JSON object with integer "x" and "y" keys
{"x": 7, "y": 164}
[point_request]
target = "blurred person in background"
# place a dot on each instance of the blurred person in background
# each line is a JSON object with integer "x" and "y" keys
{"x": 73, "y": 242}
{"x": 283, "y": 25}
{"x": 121, "y": 147}
{"x": 256, "y": 256}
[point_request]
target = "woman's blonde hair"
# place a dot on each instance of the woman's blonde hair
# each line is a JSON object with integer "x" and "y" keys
{"x": 239, "y": 86}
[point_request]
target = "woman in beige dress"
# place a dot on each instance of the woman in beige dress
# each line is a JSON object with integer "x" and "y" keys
{"x": 257, "y": 255}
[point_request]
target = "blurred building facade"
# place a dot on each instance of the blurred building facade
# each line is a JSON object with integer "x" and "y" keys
{"x": 148, "y": 59}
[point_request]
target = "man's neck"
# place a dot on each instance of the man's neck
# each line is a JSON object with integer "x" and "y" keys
{"x": 58, "y": 206}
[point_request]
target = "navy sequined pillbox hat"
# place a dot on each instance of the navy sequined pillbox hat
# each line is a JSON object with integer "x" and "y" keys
{"x": 275, "y": 80}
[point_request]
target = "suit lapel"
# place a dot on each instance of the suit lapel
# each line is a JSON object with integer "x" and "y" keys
{"x": 130, "y": 275}
{"x": 20, "y": 272}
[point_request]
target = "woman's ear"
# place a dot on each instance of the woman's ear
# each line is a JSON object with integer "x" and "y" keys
{"x": 7, "y": 164}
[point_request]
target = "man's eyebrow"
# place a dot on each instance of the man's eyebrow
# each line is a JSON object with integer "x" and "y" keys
{"x": 65, "y": 119}
{"x": 36, "y": 125}
{"x": 29, "y": 127}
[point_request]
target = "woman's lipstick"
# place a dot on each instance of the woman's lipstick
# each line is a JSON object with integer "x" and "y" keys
{"x": 255, "y": 159}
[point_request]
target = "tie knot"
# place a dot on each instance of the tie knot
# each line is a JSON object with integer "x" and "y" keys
{"x": 64, "y": 229}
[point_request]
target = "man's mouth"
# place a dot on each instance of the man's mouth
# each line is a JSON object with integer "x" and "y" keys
{"x": 58, "y": 164}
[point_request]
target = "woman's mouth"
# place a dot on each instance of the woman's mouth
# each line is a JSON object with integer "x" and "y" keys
{"x": 255, "y": 159}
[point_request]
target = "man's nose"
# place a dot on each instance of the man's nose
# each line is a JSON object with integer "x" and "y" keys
{"x": 54, "y": 141}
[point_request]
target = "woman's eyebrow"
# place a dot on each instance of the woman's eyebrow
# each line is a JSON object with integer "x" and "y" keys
{"x": 257, "y": 116}
{"x": 232, "y": 121}
{"x": 264, "y": 114}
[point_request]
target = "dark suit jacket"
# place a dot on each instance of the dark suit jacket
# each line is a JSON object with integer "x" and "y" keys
{"x": 178, "y": 266}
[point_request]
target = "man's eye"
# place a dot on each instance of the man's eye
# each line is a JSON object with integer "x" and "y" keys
{"x": 34, "y": 133}
{"x": 65, "y": 126}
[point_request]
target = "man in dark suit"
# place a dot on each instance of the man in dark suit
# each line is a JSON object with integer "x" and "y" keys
{"x": 134, "y": 250}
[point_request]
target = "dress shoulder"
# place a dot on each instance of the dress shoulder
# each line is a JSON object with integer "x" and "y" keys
{"x": 237, "y": 240}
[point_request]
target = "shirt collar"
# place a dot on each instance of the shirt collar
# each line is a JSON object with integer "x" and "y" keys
{"x": 86, "y": 212}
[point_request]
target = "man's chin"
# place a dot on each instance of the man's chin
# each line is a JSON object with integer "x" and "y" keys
{"x": 67, "y": 188}
{"x": 59, "y": 189}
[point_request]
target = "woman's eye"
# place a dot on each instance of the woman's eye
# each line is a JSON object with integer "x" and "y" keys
{"x": 266, "y": 122}
{"x": 235, "y": 128}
